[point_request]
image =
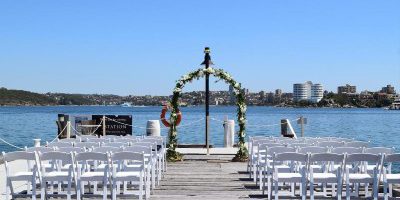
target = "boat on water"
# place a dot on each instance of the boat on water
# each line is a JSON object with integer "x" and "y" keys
{"x": 126, "y": 104}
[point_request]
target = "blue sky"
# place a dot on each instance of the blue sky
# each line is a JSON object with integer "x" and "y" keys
{"x": 142, "y": 47}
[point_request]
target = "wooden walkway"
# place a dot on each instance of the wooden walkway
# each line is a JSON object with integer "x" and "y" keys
{"x": 201, "y": 177}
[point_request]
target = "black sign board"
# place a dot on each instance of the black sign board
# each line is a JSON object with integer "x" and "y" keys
{"x": 115, "y": 124}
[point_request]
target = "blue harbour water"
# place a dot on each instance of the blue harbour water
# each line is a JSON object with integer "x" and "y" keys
{"x": 19, "y": 125}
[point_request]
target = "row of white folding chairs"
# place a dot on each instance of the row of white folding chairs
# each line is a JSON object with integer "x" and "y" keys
{"x": 262, "y": 153}
{"x": 157, "y": 143}
{"x": 352, "y": 169}
{"x": 266, "y": 169}
{"x": 118, "y": 141}
{"x": 255, "y": 141}
{"x": 62, "y": 169}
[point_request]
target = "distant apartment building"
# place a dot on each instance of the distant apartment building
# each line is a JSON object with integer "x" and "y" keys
{"x": 347, "y": 89}
{"x": 388, "y": 90}
{"x": 308, "y": 91}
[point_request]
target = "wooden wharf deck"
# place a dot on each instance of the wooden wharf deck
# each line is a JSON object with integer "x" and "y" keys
{"x": 206, "y": 177}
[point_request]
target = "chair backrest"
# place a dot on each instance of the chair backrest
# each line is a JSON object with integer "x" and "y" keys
{"x": 60, "y": 144}
{"x": 64, "y": 158}
{"x": 85, "y": 138}
{"x": 39, "y": 149}
{"x": 70, "y": 140}
{"x": 71, "y": 149}
{"x": 363, "y": 157}
{"x": 290, "y": 156}
{"x": 114, "y": 144}
{"x": 126, "y": 140}
{"x": 99, "y": 140}
{"x": 379, "y": 150}
{"x": 331, "y": 144}
{"x": 276, "y": 150}
{"x": 91, "y": 156}
{"x": 139, "y": 149}
{"x": 107, "y": 149}
{"x": 298, "y": 145}
{"x": 127, "y": 156}
{"x": 87, "y": 144}
{"x": 313, "y": 149}
{"x": 327, "y": 157}
{"x": 348, "y": 150}
{"x": 264, "y": 146}
{"x": 357, "y": 144}
{"x": 392, "y": 158}
{"x": 19, "y": 155}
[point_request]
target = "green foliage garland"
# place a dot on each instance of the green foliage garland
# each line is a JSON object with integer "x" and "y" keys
{"x": 242, "y": 153}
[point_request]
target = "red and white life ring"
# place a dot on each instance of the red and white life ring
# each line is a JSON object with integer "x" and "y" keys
{"x": 165, "y": 121}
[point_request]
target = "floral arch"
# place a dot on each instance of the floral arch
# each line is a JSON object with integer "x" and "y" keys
{"x": 242, "y": 153}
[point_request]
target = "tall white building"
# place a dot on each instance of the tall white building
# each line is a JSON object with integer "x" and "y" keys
{"x": 308, "y": 91}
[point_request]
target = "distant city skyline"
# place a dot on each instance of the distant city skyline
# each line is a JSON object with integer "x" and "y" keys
{"x": 142, "y": 48}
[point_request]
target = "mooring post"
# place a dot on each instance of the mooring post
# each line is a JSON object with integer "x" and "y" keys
{"x": 69, "y": 129}
{"x": 104, "y": 125}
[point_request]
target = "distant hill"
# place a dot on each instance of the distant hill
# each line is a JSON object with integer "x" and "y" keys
{"x": 21, "y": 97}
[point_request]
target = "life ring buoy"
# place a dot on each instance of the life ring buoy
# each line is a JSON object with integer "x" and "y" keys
{"x": 165, "y": 121}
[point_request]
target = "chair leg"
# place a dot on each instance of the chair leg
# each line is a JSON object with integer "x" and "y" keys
{"x": 33, "y": 190}
{"x": 78, "y": 190}
{"x": 385, "y": 192}
{"x": 104, "y": 189}
{"x": 141, "y": 188}
{"x": 69, "y": 189}
{"x": 269, "y": 186}
{"x": 375, "y": 190}
{"x": 303, "y": 190}
{"x": 366, "y": 190}
{"x": 8, "y": 185}
{"x": 43, "y": 190}
{"x": 293, "y": 186}
{"x": 276, "y": 190}
{"x": 339, "y": 191}
{"x": 312, "y": 190}
{"x": 390, "y": 190}
{"x": 347, "y": 190}
{"x": 114, "y": 190}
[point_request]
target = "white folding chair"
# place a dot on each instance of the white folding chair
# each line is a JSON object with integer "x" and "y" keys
{"x": 161, "y": 150}
{"x": 259, "y": 164}
{"x": 55, "y": 174}
{"x": 149, "y": 166}
{"x": 121, "y": 173}
{"x": 29, "y": 175}
{"x": 390, "y": 178}
{"x": 359, "y": 173}
{"x": 155, "y": 155}
{"x": 89, "y": 173}
{"x": 253, "y": 152}
{"x": 295, "y": 174}
{"x": 268, "y": 168}
{"x": 327, "y": 175}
